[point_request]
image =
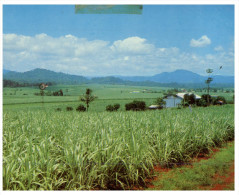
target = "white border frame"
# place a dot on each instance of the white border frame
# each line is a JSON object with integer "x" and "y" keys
{"x": 144, "y": 2}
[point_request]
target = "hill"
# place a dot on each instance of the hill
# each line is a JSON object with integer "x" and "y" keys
{"x": 177, "y": 79}
{"x": 180, "y": 76}
{"x": 42, "y": 75}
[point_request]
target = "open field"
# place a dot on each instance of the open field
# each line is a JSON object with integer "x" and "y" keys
{"x": 45, "y": 149}
{"x": 107, "y": 94}
{"x": 24, "y": 98}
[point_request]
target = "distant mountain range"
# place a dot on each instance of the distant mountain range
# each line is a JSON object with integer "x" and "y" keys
{"x": 177, "y": 77}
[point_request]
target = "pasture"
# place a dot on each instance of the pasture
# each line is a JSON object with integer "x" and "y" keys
{"x": 24, "y": 98}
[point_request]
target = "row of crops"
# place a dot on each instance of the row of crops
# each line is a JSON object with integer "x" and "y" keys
{"x": 67, "y": 151}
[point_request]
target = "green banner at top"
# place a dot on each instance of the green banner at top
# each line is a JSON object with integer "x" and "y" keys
{"x": 108, "y": 9}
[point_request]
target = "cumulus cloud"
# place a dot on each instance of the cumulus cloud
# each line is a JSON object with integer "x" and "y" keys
{"x": 202, "y": 42}
{"x": 135, "y": 45}
{"x": 80, "y": 56}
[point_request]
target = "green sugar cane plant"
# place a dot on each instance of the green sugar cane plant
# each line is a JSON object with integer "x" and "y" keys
{"x": 107, "y": 150}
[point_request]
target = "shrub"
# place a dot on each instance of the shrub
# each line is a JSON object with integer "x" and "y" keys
{"x": 202, "y": 102}
{"x": 116, "y": 107}
{"x": 58, "y": 109}
{"x": 81, "y": 108}
{"x": 110, "y": 108}
{"x": 69, "y": 108}
{"x": 205, "y": 96}
{"x": 219, "y": 98}
{"x": 55, "y": 93}
{"x": 60, "y": 93}
{"x": 135, "y": 105}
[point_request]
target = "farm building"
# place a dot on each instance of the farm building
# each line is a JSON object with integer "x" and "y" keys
{"x": 175, "y": 100}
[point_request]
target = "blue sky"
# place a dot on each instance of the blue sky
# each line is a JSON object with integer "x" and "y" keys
{"x": 164, "y": 38}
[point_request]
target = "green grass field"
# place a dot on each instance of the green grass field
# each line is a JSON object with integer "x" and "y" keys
{"x": 44, "y": 149}
{"x": 24, "y": 98}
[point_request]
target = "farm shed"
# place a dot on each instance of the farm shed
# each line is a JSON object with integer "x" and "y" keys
{"x": 173, "y": 101}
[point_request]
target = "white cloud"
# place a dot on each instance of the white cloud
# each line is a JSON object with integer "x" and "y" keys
{"x": 74, "y": 55}
{"x": 210, "y": 56}
{"x": 218, "y": 48}
{"x": 135, "y": 45}
{"x": 194, "y": 57}
{"x": 202, "y": 42}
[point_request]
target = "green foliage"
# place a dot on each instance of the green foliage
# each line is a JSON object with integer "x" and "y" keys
{"x": 159, "y": 101}
{"x": 68, "y": 108}
{"x": 111, "y": 108}
{"x": 10, "y": 83}
{"x": 192, "y": 99}
{"x": 58, "y": 93}
{"x": 189, "y": 99}
{"x": 136, "y": 105}
{"x": 87, "y": 98}
{"x": 218, "y": 99}
{"x": 202, "y": 102}
{"x": 207, "y": 98}
{"x": 81, "y": 108}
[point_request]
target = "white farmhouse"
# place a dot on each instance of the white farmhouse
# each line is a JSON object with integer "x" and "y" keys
{"x": 173, "y": 101}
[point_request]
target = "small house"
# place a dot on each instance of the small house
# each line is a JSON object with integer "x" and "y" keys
{"x": 173, "y": 101}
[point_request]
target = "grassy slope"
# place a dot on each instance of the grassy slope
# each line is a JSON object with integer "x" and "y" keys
{"x": 199, "y": 176}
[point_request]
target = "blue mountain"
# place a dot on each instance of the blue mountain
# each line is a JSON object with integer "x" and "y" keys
{"x": 178, "y": 76}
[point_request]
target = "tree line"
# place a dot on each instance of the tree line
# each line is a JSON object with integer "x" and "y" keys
{"x": 13, "y": 84}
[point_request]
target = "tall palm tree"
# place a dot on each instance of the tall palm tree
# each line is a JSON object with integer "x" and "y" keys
{"x": 208, "y": 81}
